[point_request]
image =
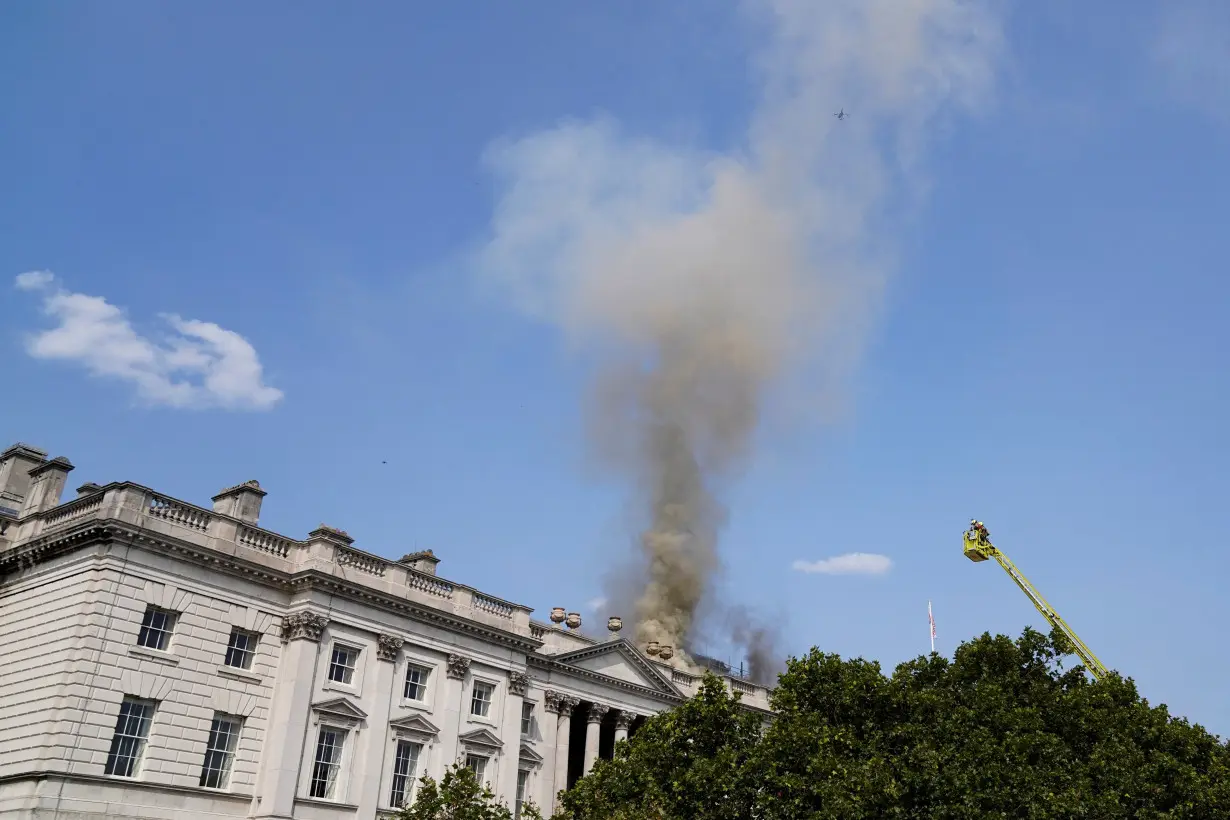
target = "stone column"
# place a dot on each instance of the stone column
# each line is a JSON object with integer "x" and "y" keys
{"x": 452, "y": 710}
{"x": 563, "y": 731}
{"x": 371, "y": 760}
{"x": 623, "y": 722}
{"x": 597, "y": 711}
{"x": 518, "y": 683}
{"x": 286, "y": 730}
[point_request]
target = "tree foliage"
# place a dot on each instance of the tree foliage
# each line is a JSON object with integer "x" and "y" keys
{"x": 1001, "y": 730}
{"x": 459, "y": 796}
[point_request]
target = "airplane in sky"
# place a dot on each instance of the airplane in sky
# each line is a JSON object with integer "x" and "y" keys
{"x": 841, "y": 115}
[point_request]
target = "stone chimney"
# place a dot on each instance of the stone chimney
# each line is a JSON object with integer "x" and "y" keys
{"x": 424, "y": 561}
{"x": 242, "y": 501}
{"x": 15, "y": 465}
{"x": 46, "y": 485}
{"x": 88, "y": 488}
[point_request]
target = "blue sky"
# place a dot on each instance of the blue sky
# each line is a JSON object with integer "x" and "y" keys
{"x": 1046, "y": 351}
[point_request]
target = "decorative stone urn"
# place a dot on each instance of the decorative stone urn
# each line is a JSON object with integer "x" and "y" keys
{"x": 573, "y": 621}
{"x": 557, "y": 615}
{"x": 666, "y": 652}
{"x": 652, "y": 648}
{"x": 614, "y": 623}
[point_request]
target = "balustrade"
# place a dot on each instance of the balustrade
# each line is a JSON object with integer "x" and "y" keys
{"x": 178, "y": 513}
{"x": 263, "y": 541}
{"x": 363, "y": 563}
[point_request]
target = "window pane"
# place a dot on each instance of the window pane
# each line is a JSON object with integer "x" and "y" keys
{"x": 128, "y": 742}
{"x": 156, "y": 628}
{"x": 527, "y": 718}
{"x": 522, "y": 778}
{"x": 478, "y": 765}
{"x": 241, "y": 649}
{"x": 480, "y": 701}
{"x": 328, "y": 762}
{"x": 405, "y": 766}
{"x": 416, "y": 683}
{"x": 220, "y": 752}
{"x": 342, "y": 664}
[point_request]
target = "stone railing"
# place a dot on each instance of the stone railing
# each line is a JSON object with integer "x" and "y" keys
{"x": 429, "y": 584}
{"x": 493, "y": 605}
{"x": 75, "y": 510}
{"x": 326, "y": 551}
{"x": 742, "y": 686}
{"x": 538, "y": 632}
{"x": 360, "y": 561}
{"x": 684, "y": 679}
{"x": 264, "y": 541}
{"x": 179, "y": 513}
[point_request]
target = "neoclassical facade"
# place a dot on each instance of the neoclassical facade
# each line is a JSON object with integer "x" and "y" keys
{"x": 166, "y": 660}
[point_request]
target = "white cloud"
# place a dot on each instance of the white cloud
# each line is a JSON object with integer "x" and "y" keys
{"x": 198, "y": 365}
{"x": 852, "y": 563}
{"x": 596, "y": 604}
{"x": 34, "y": 279}
{"x": 1191, "y": 49}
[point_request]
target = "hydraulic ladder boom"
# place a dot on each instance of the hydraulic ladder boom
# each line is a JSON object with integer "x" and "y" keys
{"x": 978, "y": 547}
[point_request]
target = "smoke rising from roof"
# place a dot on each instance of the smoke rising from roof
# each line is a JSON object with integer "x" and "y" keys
{"x": 700, "y": 281}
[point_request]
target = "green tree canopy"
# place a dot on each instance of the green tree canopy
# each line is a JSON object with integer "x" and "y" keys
{"x": 1001, "y": 730}
{"x": 459, "y": 796}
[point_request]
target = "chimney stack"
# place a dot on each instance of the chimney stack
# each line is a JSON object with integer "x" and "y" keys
{"x": 242, "y": 501}
{"x": 46, "y": 485}
{"x": 15, "y": 465}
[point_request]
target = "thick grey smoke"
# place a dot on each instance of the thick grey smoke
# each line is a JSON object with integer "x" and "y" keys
{"x": 700, "y": 282}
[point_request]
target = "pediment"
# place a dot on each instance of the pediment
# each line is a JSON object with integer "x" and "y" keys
{"x": 339, "y": 708}
{"x": 415, "y": 725}
{"x": 481, "y": 737}
{"x": 620, "y": 660}
{"x": 529, "y": 755}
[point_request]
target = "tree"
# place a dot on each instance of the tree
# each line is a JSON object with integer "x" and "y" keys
{"x": 1001, "y": 730}
{"x": 459, "y": 796}
{"x": 685, "y": 763}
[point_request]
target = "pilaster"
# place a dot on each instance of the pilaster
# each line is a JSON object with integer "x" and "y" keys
{"x": 288, "y": 714}
{"x": 510, "y": 732}
{"x": 372, "y": 761}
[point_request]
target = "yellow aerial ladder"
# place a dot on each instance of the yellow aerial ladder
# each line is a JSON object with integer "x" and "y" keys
{"x": 978, "y": 547}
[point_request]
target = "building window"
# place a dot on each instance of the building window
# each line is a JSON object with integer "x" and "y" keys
{"x": 131, "y": 732}
{"x": 405, "y": 765}
{"x": 480, "y": 700}
{"x": 220, "y": 751}
{"x": 241, "y": 649}
{"x": 522, "y": 779}
{"x": 416, "y": 682}
{"x": 156, "y": 628}
{"x": 478, "y": 765}
{"x": 527, "y": 718}
{"x": 328, "y": 762}
{"x": 342, "y": 665}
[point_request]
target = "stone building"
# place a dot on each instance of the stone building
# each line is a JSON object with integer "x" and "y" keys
{"x": 167, "y": 660}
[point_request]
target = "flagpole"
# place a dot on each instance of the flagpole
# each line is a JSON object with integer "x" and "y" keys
{"x": 931, "y": 621}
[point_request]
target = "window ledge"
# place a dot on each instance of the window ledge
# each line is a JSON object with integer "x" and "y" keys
{"x": 486, "y": 721}
{"x": 332, "y": 804}
{"x": 417, "y": 705}
{"x": 158, "y": 655}
{"x": 238, "y": 674}
{"x": 334, "y": 686}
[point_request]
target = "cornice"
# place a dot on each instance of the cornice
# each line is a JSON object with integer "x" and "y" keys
{"x": 549, "y": 663}
{"x": 45, "y": 547}
{"x": 625, "y": 649}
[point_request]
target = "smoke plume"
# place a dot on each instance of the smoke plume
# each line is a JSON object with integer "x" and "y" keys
{"x": 702, "y": 281}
